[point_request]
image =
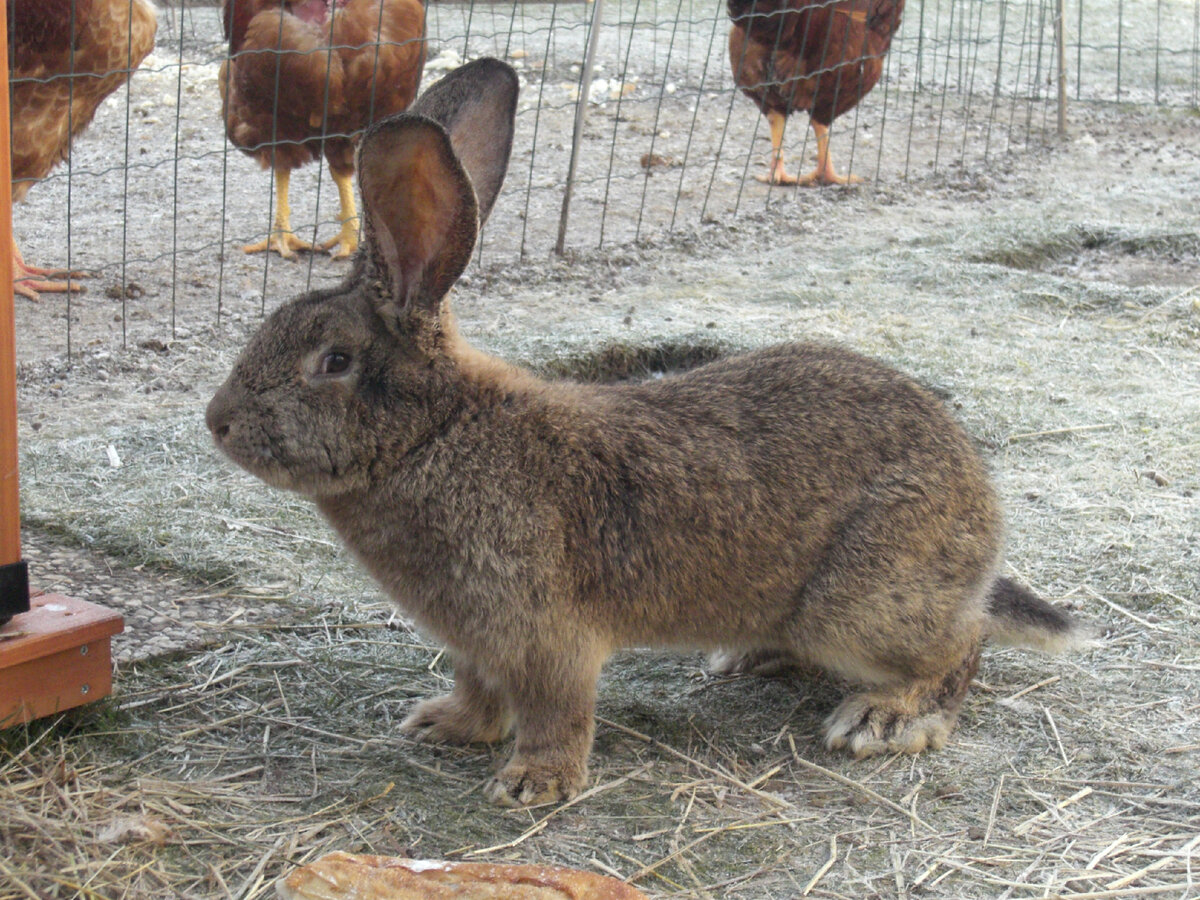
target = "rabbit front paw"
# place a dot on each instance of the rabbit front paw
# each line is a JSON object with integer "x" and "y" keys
{"x": 455, "y": 719}
{"x": 870, "y": 724}
{"x": 520, "y": 784}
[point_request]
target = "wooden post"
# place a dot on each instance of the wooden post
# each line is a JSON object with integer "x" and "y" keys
{"x": 14, "y": 579}
{"x": 58, "y": 654}
{"x": 585, "y": 86}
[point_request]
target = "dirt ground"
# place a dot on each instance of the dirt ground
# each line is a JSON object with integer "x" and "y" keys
{"x": 1051, "y": 292}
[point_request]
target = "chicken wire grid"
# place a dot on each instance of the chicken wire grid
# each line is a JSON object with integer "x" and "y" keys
{"x": 156, "y": 203}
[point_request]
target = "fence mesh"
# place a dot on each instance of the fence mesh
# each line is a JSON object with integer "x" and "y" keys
{"x": 156, "y": 203}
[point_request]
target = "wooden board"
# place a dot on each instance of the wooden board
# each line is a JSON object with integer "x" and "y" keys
{"x": 10, "y": 516}
{"x": 55, "y": 657}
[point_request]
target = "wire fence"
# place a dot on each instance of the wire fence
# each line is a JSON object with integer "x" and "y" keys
{"x": 156, "y": 202}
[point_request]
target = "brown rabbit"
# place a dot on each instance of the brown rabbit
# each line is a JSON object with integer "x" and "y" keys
{"x": 800, "y": 502}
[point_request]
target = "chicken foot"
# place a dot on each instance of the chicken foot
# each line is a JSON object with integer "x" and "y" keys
{"x": 347, "y": 239}
{"x": 30, "y": 281}
{"x": 824, "y": 173}
{"x": 285, "y": 242}
{"x": 281, "y": 239}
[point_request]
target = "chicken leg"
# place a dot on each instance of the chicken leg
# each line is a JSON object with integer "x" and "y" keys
{"x": 776, "y": 174}
{"x": 281, "y": 239}
{"x": 27, "y": 283}
{"x": 284, "y": 241}
{"x": 347, "y": 239}
{"x": 824, "y": 173}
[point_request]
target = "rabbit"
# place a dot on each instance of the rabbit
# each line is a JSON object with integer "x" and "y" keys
{"x": 799, "y": 503}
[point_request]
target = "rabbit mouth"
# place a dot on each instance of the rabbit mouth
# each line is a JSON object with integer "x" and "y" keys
{"x": 316, "y": 479}
{"x": 259, "y": 462}
{"x": 276, "y": 466}
{"x": 274, "y": 475}
{"x": 256, "y": 457}
{"x": 271, "y": 471}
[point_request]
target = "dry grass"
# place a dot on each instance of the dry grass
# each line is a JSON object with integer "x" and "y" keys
{"x": 211, "y": 775}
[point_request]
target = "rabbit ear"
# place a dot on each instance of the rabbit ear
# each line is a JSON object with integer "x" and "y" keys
{"x": 430, "y": 176}
{"x": 476, "y": 104}
{"x": 421, "y": 214}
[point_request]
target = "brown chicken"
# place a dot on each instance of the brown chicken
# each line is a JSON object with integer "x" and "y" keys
{"x": 304, "y": 78}
{"x": 64, "y": 57}
{"x": 822, "y": 56}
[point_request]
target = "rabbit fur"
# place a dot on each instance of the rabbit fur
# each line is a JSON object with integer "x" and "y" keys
{"x": 798, "y": 503}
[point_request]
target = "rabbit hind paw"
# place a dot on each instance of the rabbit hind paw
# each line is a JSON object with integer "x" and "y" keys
{"x": 873, "y": 723}
{"x": 906, "y": 718}
{"x": 762, "y": 662}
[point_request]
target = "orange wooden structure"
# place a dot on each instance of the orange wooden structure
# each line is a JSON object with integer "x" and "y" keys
{"x": 12, "y": 570}
{"x": 55, "y": 657}
{"x": 55, "y": 654}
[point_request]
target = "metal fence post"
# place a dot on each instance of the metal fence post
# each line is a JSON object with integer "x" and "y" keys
{"x": 1060, "y": 36}
{"x": 585, "y": 85}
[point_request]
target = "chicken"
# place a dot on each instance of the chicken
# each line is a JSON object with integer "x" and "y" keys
{"x": 65, "y": 57}
{"x": 822, "y": 56}
{"x": 305, "y": 77}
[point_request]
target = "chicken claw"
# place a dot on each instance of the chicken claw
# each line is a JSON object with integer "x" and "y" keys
{"x": 28, "y": 281}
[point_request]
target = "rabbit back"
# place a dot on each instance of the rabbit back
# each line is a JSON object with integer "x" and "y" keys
{"x": 802, "y": 496}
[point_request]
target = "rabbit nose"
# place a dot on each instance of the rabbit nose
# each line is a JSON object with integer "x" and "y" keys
{"x": 216, "y": 417}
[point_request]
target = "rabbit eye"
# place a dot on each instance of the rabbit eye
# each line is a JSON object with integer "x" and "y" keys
{"x": 334, "y": 363}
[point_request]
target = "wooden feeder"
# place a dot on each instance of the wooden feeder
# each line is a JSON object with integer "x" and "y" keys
{"x": 54, "y": 651}
{"x": 55, "y": 657}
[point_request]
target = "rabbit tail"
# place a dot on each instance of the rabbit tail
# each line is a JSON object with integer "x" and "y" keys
{"x": 1018, "y": 617}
